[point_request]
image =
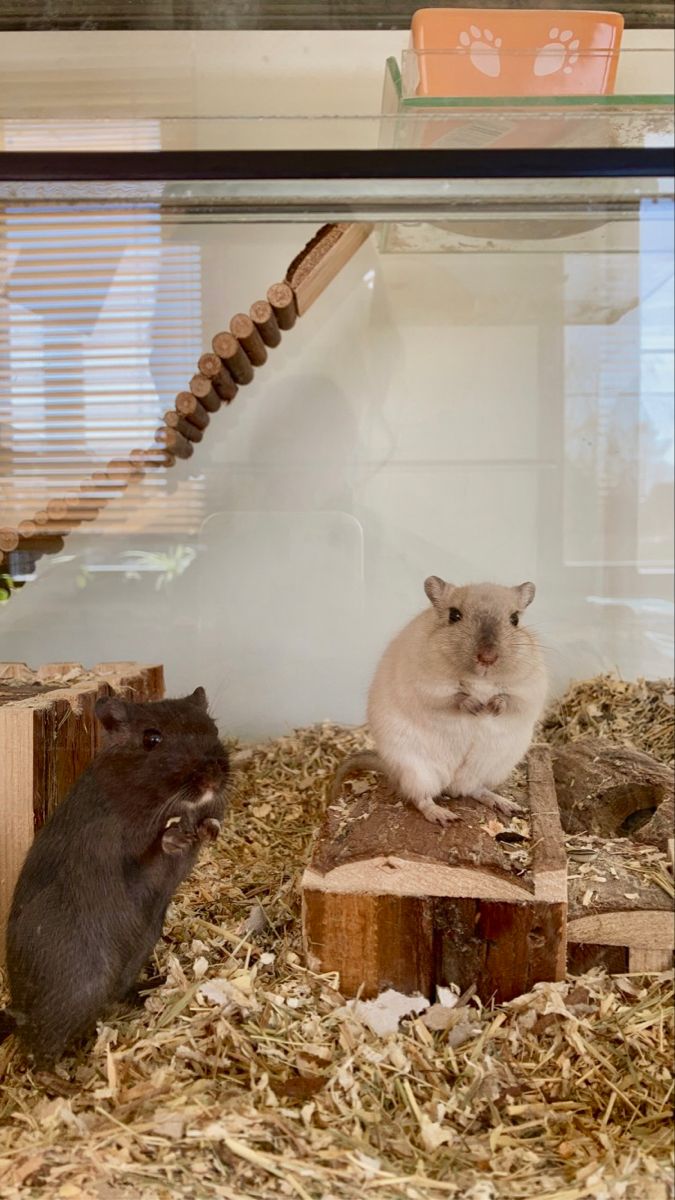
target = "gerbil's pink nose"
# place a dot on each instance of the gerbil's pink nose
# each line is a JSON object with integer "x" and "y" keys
{"x": 486, "y": 656}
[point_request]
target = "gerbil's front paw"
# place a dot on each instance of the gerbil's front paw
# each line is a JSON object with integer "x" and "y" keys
{"x": 175, "y": 840}
{"x": 469, "y": 704}
{"x": 208, "y": 829}
{"x": 496, "y": 705}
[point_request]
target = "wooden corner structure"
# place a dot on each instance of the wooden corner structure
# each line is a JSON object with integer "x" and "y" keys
{"x": 236, "y": 353}
{"x": 390, "y": 900}
{"x": 48, "y": 735}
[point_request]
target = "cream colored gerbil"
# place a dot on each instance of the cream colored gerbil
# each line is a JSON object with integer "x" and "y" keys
{"x": 455, "y": 698}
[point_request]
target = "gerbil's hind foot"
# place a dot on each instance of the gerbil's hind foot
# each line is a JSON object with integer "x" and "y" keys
{"x": 431, "y": 811}
{"x": 497, "y": 803}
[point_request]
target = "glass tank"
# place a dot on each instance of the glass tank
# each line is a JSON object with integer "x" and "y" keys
{"x": 478, "y": 385}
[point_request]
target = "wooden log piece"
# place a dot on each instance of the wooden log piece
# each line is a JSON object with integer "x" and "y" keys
{"x": 265, "y": 322}
{"x": 123, "y": 469}
{"x": 390, "y": 900}
{"x": 152, "y": 457}
{"x": 61, "y": 520}
{"x": 234, "y": 357}
{"x": 81, "y": 508}
{"x": 191, "y": 409}
{"x": 322, "y": 258}
{"x": 243, "y": 329}
{"x": 612, "y": 791}
{"x": 175, "y": 421}
{"x": 620, "y": 896}
{"x": 202, "y": 388}
{"x": 549, "y": 857}
{"x": 282, "y": 301}
{"x": 174, "y": 442}
{"x": 9, "y": 539}
{"x": 27, "y": 529}
{"x": 212, "y": 367}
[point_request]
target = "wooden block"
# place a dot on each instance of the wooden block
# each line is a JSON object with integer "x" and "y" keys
{"x": 390, "y": 900}
{"x": 48, "y": 735}
{"x": 620, "y": 897}
{"x": 322, "y": 258}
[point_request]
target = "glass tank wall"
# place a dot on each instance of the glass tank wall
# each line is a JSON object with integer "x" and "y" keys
{"x": 484, "y": 391}
{"x": 492, "y": 404}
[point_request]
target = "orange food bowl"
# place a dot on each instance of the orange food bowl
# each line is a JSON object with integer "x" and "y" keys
{"x": 525, "y": 52}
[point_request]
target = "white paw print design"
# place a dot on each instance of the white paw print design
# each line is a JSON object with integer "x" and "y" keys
{"x": 483, "y": 48}
{"x": 558, "y": 54}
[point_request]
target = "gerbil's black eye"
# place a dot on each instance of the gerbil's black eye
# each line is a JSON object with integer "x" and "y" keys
{"x": 514, "y": 618}
{"x": 151, "y": 737}
{"x": 454, "y": 615}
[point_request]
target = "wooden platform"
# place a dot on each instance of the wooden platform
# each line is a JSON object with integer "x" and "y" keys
{"x": 48, "y": 735}
{"x": 390, "y": 900}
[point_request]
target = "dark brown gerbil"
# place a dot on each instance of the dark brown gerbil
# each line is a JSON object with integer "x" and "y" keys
{"x": 91, "y": 898}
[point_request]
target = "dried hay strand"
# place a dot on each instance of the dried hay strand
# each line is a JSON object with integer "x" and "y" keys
{"x": 636, "y": 714}
{"x": 248, "y": 1077}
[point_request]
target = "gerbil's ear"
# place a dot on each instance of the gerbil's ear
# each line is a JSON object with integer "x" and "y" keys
{"x": 435, "y": 587}
{"x": 525, "y": 594}
{"x": 112, "y": 713}
{"x": 198, "y": 697}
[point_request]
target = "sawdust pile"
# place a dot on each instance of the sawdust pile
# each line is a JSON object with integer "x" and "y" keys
{"x": 246, "y": 1076}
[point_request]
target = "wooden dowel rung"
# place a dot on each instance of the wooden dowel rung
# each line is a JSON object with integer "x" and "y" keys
{"x": 265, "y": 322}
{"x": 174, "y": 442}
{"x": 282, "y": 300}
{"x": 121, "y": 471}
{"x": 175, "y": 421}
{"x": 234, "y": 357}
{"x": 9, "y": 539}
{"x": 203, "y": 389}
{"x": 243, "y": 329}
{"x": 222, "y": 382}
{"x": 46, "y": 544}
{"x": 56, "y": 510}
{"x": 192, "y": 409}
{"x": 152, "y": 457}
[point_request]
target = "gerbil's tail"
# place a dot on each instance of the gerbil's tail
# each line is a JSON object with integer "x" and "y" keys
{"x": 364, "y": 760}
{"x": 7, "y": 1023}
